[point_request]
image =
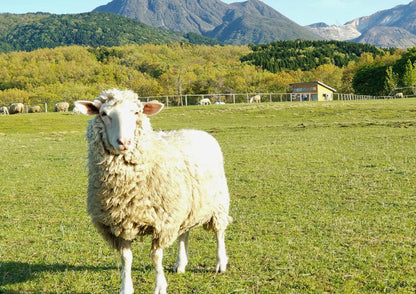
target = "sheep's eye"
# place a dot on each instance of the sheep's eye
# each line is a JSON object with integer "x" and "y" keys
{"x": 103, "y": 114}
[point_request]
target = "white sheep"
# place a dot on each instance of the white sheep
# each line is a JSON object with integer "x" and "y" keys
{"x": 35, "y": 109}
{"x": 61, "y": 107}
{"x": 4, "y": 110}
{"x": 205, "y": 101}
{"x": 144, "y": 182}
{"x": 399, "y": 95}
{"x": 16, "y": 108}
{"x": 75, "y": 110}
{"x": 255, "y": 99}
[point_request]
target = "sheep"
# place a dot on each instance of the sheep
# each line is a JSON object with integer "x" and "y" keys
{"x": 144, "y": 182}
{"x": 61, "y": 107}
{"x": 35, "y": 109}
{"x": 4, "y": 110}
{"x": 205, "y": 101}
{"x": 399, "y": 95}
{"x": 16, "y": 108}
{"x": 75, "y": 110}
{"x": 255, "y": 99}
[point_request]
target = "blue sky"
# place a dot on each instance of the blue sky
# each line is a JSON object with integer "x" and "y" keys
{"x": 303, "y": 12}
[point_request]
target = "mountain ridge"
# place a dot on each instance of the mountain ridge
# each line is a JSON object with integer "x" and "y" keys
{"x": 395, "y": 27}
{"x": 237, "y": 23}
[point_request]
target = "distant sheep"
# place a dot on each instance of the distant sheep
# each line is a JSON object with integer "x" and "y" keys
{"x": 399, "y": 95}
{"x": 61, "y": 107}
{"x": 144, "y": 182}
{"x": 35, "y": 109}
{"x": 205, "y": 101}
{"x": 4, "y": 110}
{"x": 255, "y": 99}
{"x": 75, "y": 110}
{"x": 16, "y": 108}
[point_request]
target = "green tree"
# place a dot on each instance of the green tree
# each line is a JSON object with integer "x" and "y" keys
{"x": 409, "y": 76}
{"x": 369, "y": 80}
{"x": 390, "y": 82}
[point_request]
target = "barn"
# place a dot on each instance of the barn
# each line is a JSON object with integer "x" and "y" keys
{"x": 312, "y": 91}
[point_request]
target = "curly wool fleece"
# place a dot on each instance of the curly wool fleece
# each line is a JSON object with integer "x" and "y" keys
{"x": 162, "y": 186}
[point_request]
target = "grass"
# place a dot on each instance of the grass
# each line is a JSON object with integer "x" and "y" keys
{"x": 323, "y": 200}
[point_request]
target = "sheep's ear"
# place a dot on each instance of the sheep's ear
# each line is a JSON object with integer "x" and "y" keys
{"x": 152, "y": 107}
{"x": 88, "y": 107}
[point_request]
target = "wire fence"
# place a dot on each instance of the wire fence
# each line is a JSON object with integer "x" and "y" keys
{"x": 204, "y": 99}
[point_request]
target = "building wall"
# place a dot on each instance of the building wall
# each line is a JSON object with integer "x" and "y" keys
{"x": 324, "y": 94}
{"x": 312, "y": 91}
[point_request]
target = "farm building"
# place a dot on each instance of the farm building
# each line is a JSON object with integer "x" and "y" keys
{"x": 312, "y": 91}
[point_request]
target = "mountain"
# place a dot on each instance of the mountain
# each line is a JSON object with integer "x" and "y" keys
{"x": 240, "y": 23}
{"x": 394, "y": 27}
{"x": 42, "y": 30}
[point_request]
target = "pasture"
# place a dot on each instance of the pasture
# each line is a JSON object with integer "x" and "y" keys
{"x": 322, "y": 195}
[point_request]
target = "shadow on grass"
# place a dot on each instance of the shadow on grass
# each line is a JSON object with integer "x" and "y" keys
{"x": 19, "y": 272}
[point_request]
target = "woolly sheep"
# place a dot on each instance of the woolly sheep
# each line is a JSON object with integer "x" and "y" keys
{"x": 255, "y": 99}
{"x": 61, "y": 107}
{"x": 16, "y": 108}
{"x": 4, "y": 110}
{"x": 399, "y": 95}
{"x": 34, "y": 109}
{"x": 144, "y": 182}
{"x": 205, "y": 101}
{"x": 75, "y": 110}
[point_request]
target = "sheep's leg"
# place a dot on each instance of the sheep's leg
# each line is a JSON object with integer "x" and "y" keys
{"x": 182, "y": 260}
{"x": 222, "y": 258}
{"x": 126, "y": 261}
{"x": 160, "y": 280}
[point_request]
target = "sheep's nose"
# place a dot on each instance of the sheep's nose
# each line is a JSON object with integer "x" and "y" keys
{"x": 124, "y": 144}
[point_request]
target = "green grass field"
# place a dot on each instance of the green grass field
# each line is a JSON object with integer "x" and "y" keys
{"x": 322, "y": 195}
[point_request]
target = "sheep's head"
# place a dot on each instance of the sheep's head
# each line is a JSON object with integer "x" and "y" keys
{"x": 119, "y": 112}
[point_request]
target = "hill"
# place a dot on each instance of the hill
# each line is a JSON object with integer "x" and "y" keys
{"x": 42, "y": 30}
{"x": 394, "y": 27}
{"x": 240, "y": 23}
{"x": 307, "y": 55}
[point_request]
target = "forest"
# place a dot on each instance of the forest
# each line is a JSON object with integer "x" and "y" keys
{"x": 70, "y": 73}
{"x": 32, "y": 31}
{"x": 307, "y": 55}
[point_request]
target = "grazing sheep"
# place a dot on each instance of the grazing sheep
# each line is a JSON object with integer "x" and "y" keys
{"x": 144, "y": 182}
{"x": 4, "y": 110}
{"x": 61, "y": 107}
{"x": 75, "y": 110}
{"x": 255, "y": 99}
{"x": 205, "y": 101}
{"x": 399, "y": 95}
{"x": 16, "y": 108}
{"x": 34, "y": 109}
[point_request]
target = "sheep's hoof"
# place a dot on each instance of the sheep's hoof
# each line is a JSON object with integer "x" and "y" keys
{"x": 221, "y": 267}
{"x": 180, "y": 269}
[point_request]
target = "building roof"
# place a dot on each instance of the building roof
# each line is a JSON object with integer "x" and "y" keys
{"x": 316, "y": 82}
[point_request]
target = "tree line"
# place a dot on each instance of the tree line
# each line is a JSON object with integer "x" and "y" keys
{"x": 43, "y": 30}
{"x": 307, "y": 55}
{"x": 74, "y": 72}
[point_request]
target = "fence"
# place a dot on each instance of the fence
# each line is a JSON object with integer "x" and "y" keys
{"x": 194, "y": 99}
